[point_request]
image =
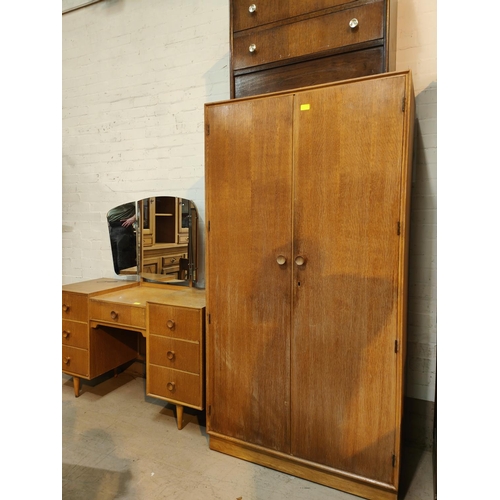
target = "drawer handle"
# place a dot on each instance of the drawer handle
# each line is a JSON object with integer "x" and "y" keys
{"x": 170, "y": 355}
{"x": 66, "y": 333}
{"x": 172, "y": 260}
{"x": 353, "y": 23}
{"x": 65, "y": 308}
{"x": 252, "y": 48}
{"x": 252, "y": 8}
{"x": 114, "y": 315}
{"x": 170, "y": 324}
{"x": 66, "y": 360}
{"x": 171, "y": 386}
{"x": 281, "y": 259}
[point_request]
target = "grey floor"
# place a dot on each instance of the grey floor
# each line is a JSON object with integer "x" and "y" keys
{"x": 118, "y": 443}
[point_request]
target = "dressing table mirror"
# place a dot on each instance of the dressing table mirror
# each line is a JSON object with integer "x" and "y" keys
{"x": 156, "y": 239}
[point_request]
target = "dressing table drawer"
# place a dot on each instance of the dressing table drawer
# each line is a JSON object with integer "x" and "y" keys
{"x": 74, "y": 306}
{"x": 173, "y": 353}
{"x": 75, "y": 360}
{"x": 310, "y": 36}
{"x": 119, "y": 314}
{"x": 75, "y": 334}
{"x": 175, "y": 385}
{"x": 176, "y": 322}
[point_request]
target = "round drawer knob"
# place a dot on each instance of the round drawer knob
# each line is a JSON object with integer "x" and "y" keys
{"x": 114, "y": 315}
{"x": 353, "y": 23}
{"x": 66, "y": 334}
{"x": 252, "y": 8}
{"x": 299, "y": 260}
{"x": 65, "y": 308}
{"x": 281, "y": 259}
{"x": 66, "y": 360}
{"x": 252, "y": 48}
{"x": 171, "y": 386}
{"x": 170, "y": 324}
{"x": 172, "y": 260}
{"x": 170, "y": 355}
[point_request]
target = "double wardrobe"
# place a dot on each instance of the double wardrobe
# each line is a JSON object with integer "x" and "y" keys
{"x": 308, "y": 177}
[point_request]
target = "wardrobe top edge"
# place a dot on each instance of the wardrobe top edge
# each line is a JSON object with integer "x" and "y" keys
{"x": 407, "y": 73}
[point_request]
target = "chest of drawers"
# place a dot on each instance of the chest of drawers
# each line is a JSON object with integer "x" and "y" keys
{"x": 283, "y": 45}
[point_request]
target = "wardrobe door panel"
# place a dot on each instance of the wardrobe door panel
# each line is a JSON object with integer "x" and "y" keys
{"x": 248, "y": 148}
{"x": 347, "y": 194}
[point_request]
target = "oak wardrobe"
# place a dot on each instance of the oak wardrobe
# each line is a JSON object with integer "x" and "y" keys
{"x": 307, "y": 215}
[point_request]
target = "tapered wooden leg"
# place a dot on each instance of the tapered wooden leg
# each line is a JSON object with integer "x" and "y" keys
{"x": 76, "y": 386}
{"x": 180, "y": 413}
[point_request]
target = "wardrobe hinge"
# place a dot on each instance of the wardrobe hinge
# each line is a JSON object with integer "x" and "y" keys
{"x": 399, "y": 228}
{"x": 403, "y": 105}
{"x": 396, "y": 346}
{"x": 394, "y": 460}
{"x": 207, "y": 129}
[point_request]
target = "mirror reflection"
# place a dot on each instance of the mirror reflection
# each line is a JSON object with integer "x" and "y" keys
{"x": 155, "y": 238}
{"x": 122, "y": 233}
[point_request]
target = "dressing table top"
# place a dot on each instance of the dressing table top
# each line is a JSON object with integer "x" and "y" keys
{"x": 142, "y": 294}
{"x": 138, "y": 294}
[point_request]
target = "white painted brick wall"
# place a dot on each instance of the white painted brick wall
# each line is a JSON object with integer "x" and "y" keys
{"x": 136, "y": 74}
{"x": 416, "y": 50}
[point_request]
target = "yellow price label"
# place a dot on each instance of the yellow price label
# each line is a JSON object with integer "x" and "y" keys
{"x": 305, "y": 107}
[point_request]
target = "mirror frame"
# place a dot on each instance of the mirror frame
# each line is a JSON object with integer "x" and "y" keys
{"x": 178, "y": 234}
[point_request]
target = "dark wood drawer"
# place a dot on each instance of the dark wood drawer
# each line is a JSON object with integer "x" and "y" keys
{"x": 74, "y": 306}
{"x": 174, "y": 385}
{"x": 75, "y": 334}
{"x": 311, "y": 36}
{"x": 268, "y": 11}
{"x": 119, "y": 314}
{"x": 176, "y": 322}
{"x": 324, "y": 70}
{"x": 174, "y": 353}
{"x": 75, "y": 361}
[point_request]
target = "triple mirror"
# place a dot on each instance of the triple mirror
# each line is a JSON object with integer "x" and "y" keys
{"x": 156, "y": 239}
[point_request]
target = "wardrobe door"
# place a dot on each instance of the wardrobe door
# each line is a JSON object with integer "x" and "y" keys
{"x": 248, "y": 148}
{"x": 347, "y": 193}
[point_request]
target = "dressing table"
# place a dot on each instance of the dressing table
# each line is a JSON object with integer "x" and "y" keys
{"x": 104, "y": 320}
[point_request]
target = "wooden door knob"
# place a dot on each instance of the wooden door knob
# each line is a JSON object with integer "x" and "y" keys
{"x": 65, "y": 308}
{"x": 171, "y": 386}
{"x": 66, "y": 360}
{"x": 299, "y": 260}
{"x": 114, "y": 315}
{"x": 281, "y": 259}
{"x": 66, "y": 334}
{"x": 170, "y": 324}
{"x": 170, "y": 355}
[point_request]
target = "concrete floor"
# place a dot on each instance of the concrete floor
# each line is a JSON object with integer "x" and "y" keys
{"x": 117, "y": 443}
